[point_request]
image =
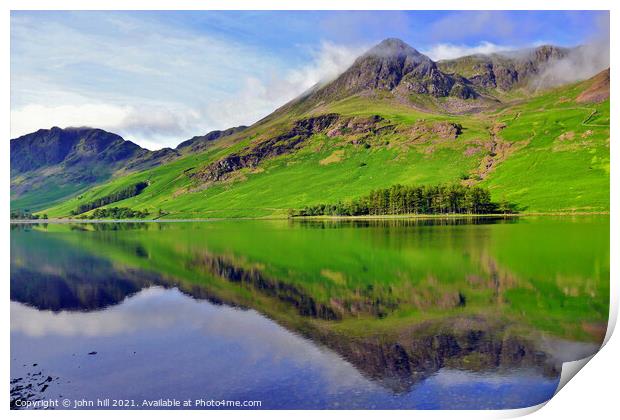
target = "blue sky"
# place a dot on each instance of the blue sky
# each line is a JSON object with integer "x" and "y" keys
{"x": 158, "y": 78}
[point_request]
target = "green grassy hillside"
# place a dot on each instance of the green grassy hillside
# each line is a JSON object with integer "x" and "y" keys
{"x": 549, "y": 153}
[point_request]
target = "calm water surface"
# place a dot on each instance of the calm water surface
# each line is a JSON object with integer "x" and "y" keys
{"x": 400, "y": 314}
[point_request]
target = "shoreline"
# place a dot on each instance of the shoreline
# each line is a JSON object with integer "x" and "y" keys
{"x": 362, "y": 217}
{"x": 448, "y": 216}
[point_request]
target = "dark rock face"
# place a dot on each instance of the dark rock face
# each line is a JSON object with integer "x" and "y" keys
{"x": 442, "y": 129}
{"x": 462, "y": 89}
{"x": 358, "y": 125}
{"x": 329, "y": 124}
{"x": 506, "y": 78}
{"x": 547, "y": 53}
{"x": 504, "y": 71}
{"x": 251, "y": 157}
{"x": 384, "y": 66}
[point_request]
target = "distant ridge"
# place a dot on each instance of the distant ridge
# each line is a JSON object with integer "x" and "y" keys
{"x": 504, "y": 71}
{"x": 198, "y": 143}
{"x": 49, "y": 165}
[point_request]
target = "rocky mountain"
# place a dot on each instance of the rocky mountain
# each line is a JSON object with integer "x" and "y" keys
{"x": 392, "y": 65}
{"x": 394, "y": 68}
{"x": 51, "y": 164}
{"x": 48, "y": 165}
{"x": 71, "y": 146}
{"x": 504, "y": 71}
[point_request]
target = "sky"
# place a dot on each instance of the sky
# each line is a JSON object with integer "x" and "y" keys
{"x": 158, "y": 78}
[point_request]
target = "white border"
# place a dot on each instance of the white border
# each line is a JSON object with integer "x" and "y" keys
{"x": 592, "y": 394}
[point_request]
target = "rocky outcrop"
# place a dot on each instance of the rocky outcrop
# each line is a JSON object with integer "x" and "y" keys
{"x": 357, "y": 125}
{"x": 442, "y": 129}
{"x": 331, "y": 125}
{"x": 275, "y": 146}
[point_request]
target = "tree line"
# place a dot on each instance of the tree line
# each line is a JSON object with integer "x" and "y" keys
{"x": 129, "y": 191}
{"x": 116, "y": 213}
{"x": 399, "y": 199}
{"x": 26, "y": 214}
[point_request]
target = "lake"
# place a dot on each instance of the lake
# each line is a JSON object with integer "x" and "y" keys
{"x": 394, "y": 314}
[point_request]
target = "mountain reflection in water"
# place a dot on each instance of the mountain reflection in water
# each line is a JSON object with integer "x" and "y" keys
{"x": 308, "y": 315}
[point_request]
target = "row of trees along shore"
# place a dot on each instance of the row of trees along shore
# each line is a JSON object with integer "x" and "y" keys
{"x": 399, "y": 199}
{"x": 118, "y": 213}
{"x": 129, "y": 191}
{"x": 26, "y": 215}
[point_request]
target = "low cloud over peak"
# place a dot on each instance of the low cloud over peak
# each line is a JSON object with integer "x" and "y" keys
{"x": 445, "y": 51}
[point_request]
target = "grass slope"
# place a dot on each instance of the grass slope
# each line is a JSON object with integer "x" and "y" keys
{"x": 50, "y": 194}
{"x": 552, "y": 156}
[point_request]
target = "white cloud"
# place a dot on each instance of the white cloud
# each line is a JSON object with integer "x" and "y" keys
{"x": 445, "y": 51}
{"x": 581, "y": 63}
{"x": 150, "y": 126}
{"x": 259, "y": 97}
{"x": 157, "y": 124}
{"x": 329, "y": 62}
{"x": 149, "y": 82}
{"x": 143, "y": 80}
{"x": 34, "y": 116}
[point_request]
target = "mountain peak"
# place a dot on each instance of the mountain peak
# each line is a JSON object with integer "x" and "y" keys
{"x": 544, "y": 53}
{"x": 383, "y": 67}
{"x": 392, "y": 46}
{"x": 394, "y": 67}
{"x": 394, "y": 49}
